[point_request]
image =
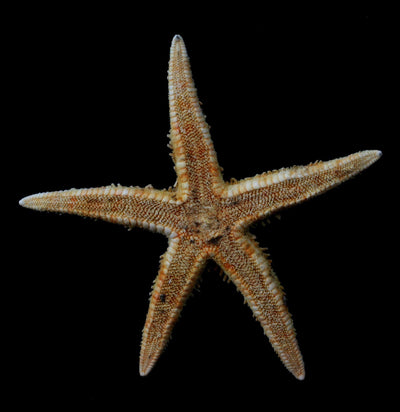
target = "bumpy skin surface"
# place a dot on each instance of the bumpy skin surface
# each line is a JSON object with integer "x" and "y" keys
{"x": 206, "y": 218}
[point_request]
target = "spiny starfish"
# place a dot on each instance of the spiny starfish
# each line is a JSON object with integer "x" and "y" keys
{"x": 207, "y": 218}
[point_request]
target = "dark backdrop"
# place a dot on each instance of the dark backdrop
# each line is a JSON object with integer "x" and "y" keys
{"x": 89, "y": 107}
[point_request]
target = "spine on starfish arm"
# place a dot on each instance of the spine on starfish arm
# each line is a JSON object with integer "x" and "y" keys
{"x": 128, "y": 206}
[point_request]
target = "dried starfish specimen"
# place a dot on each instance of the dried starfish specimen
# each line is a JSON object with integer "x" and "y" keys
{"x": 207, "y": 218}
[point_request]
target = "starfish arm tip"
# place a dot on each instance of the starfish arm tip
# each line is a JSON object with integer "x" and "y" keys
{"x": 30, "y": 202}
{"x": 374, "y": 154}
{"x": 143, "y": 372}
{"x": 146, "y": 363}
{"x": 369, "y": 157}
{"x": 301, "y": 377}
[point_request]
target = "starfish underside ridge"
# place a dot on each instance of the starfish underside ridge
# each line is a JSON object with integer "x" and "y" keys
{"x": 204, "y": 218}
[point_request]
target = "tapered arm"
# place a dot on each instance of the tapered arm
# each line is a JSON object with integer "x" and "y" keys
{"x": 250, "y": 271}
{"x": 130, "y": 206}
{"x": 190, "y": 137}
{"x": 180, "y": 268}
{"x": 256, "y": 197}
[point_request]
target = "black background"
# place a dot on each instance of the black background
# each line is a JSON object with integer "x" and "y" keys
{"x": 88, "y": 107}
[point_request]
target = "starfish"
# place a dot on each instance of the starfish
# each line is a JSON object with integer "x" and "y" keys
{"x": 204, "y": 218}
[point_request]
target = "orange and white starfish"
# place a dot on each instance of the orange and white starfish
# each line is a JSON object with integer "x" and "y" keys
{"x": 207, "y": 218}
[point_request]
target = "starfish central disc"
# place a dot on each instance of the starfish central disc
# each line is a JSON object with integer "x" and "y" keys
{"x": 205, "y": 222}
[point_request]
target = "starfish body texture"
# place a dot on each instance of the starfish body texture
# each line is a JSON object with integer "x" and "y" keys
{"x": 207, "y": 218}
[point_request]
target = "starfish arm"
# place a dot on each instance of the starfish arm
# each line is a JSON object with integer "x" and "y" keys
{"x": 254, "y": 198}
{"x": 130, "y": 206}
{"x": 250, "y": 271}
{"x": 179, "y": 270}
{"x": 193, "y": 151}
